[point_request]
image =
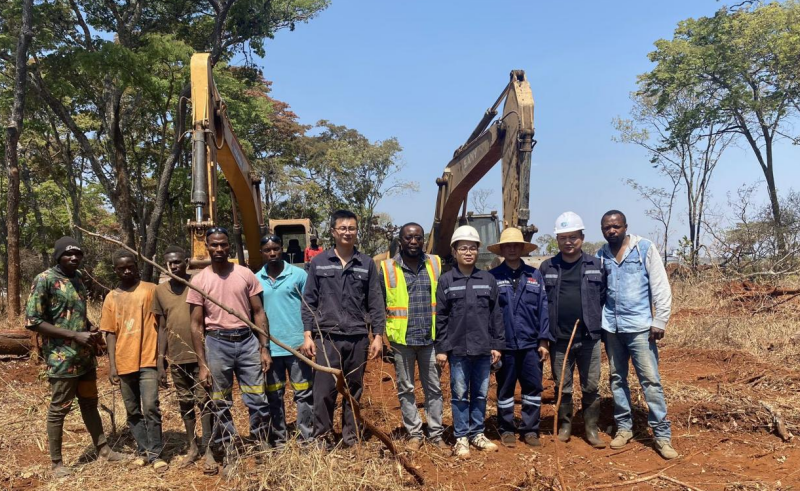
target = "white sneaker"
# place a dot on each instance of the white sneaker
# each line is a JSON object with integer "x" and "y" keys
{"x": 461, "y": 448}
{"x": 482, "y": 443}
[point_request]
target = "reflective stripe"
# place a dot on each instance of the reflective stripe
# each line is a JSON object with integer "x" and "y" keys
{"x": 251, "y": 389}
{"x": 301, "y": 385}
{"x": 436, "y": 267}
{"x": 397, "y": 313}
{"x": 505, "y": 403}
{"x": 551, "y": 276}
{"x": 275, "y": 387}
{"x": 361, "y": 270}
{"x": 330, "y": 266}
{"x": 390, "y": 273}
{"x": 220, "y": 395}
{"x": 454, "y": 288}
{"x": 481, "y": 287}
{"x": 532, "y": 400}
{"x": 592, "y": 271}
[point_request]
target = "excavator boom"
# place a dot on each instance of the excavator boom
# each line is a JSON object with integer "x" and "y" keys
{"x": 510, "y": 138}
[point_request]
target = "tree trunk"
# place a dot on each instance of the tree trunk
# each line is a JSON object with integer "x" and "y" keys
{"x": 775, "y": 206}
{"x": 13, "y": 131}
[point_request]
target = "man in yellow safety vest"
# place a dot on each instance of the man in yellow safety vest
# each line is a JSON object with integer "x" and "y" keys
{"x": 409, "y": 286}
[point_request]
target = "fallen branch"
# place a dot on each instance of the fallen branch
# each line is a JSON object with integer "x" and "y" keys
{"x": 778, "y": 422}
{"x": 558, "y": 405}
{"x": 340, "y": 382}
{"x": 680, "y": 483}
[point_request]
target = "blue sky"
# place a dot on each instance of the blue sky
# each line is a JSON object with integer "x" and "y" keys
{"x": 425, "y": 71}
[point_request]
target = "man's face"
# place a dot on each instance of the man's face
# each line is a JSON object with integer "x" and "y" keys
{"x": 272, "y": 252}
{"x": 570, "y": 243}
{"x": 126, "y": 269}
{"x": 511, "y": 251}
{"x": 70, "y": 261}
{"x": 466, "y": 252}
{"x": 219, "y": 247}
{"x": 345, "y": 231}
{"x": 176, "y": 263}
{"x": 614, "y": 229}
{"x": 412, "y": 241}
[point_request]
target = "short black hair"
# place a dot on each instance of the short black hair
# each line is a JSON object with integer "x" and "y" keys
{"x": 120, "y": 254}
{"x": 615, "y": 212}
{"x": 342, "y": 215}
{"x": 173, "y": 249}
{"x": 410, "y": 224}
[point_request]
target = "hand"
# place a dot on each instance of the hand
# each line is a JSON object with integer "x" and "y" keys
{"x": 204, "y": 376}
{"x": 308, "y": 348}
{"x": 162, "y": 376}
{"x": 655, "y": 334}
{"x": 375, "y": 347}
{"x": 266, "y": 360}
{"x": 113, "y": 377}
{"x": 86, "y": 338}
{"x": 495, "y": 356}
{"x": 544, "y": 353}
{"x": 441, "y": 359}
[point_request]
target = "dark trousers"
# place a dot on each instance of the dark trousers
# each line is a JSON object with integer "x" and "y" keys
{"x": 140, "y": 395}
{"x": 585, "y": 353}
{"x": 525, "y": 366}
{"x": 63, "y": 391}
{"x": 191, "y": 393}
{"x": 348, "y": 353}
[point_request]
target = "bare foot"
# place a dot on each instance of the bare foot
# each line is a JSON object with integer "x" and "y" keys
{"x": 209, "y": 464}
{"x": 193, "y": 455}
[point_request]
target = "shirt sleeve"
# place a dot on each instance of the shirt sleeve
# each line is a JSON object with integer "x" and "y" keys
{"x": 36, "y": 307}
{"x": 157, "y": 304}
{"x": 193, "y": 297}
{"x": 375, "y": 300}
{"x": 310, "y": 298}
{"x": 442, "y": 312}
{"x": 253, "y": 285}
{"x": 659, "y": 288}
{"x": 498, "y": 329}
{"x": 108, "y": 316}
{"x": 544, "y": 313}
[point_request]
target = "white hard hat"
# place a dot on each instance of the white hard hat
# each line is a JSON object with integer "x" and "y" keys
{"x": 466, "y": 232}
{"x": 568, "y": 222}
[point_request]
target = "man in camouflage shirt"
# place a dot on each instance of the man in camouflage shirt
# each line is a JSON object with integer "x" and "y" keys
{"x": 56, "y": 310}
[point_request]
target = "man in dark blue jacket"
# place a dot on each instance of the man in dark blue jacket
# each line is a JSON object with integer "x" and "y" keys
{"x": 576, "y": 291}
{"x": 527, "y": 331}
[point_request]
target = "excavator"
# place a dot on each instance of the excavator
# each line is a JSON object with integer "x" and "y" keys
{"x": 214, "y": 145}
{"x": 508, "y": 138}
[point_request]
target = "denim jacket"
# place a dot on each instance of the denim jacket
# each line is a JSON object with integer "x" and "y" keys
{"x": 639, "y": 295}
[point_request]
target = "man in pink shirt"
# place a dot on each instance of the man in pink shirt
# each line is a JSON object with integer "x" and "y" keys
{"x": 231, "y": 347}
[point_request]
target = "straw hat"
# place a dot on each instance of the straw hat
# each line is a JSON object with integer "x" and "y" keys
{"x": 513, "y": 235}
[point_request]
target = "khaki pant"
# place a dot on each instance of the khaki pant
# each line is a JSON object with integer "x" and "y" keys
{"x": 63, "y": 392}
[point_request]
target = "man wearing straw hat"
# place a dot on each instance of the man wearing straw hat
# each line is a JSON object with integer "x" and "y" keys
{"x": 576, "y": 291}
{"x": 527, "y": 333}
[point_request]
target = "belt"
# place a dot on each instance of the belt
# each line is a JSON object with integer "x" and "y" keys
{"x": 231, "y": 335}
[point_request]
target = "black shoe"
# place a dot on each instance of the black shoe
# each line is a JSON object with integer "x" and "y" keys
{"x": 564, "y": 421}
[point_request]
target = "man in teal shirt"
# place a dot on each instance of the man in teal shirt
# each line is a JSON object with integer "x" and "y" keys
{"x": 283, "y": 286}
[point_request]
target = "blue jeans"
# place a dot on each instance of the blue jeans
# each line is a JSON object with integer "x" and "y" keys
{"x": 140, "y": 395}
{"x": 243, "y": 359}
{"x": 620, "y": 348}
{"x": 469, "y": 386}
{"x": 300, "y": 379}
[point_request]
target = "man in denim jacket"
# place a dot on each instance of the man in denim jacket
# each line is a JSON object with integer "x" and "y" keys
{"x": 637, "y": 309}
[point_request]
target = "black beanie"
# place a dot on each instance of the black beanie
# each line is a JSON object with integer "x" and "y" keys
{"x": 63, "y": 245}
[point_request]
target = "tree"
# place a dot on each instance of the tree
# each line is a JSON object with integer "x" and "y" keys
{"x": 481, "y": 200}
{"x": 745, "y": 62}
{"x": 683, "y": 148}
{"x": 13, "y": 132}
{"x": 547, "y": 244}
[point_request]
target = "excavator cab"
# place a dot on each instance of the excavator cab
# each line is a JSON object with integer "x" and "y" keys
{"x": 296, "y": 236}
{"x": 488, "y": 227}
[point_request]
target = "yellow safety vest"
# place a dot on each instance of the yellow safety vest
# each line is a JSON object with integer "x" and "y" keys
{"x": 397, "y": 297}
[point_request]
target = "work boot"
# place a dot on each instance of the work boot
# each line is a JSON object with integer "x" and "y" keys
{"x": 532, "y": 439}
{"x": 414, "y": 444}
{"x": 508, "y": 439}
{"x": 564, "y": 421}
{"x": 621, "y": 439}
{"x": 665, "y": 449}
{"x": 591, "y": 414}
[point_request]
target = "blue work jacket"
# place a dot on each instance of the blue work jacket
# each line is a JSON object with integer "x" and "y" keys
{"x": 593, "y": 291}
{"x": 525, "y": 311}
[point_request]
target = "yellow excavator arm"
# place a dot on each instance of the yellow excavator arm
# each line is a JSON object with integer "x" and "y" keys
{"x": 214, "y": 144}
{"x": 510, "y": 138}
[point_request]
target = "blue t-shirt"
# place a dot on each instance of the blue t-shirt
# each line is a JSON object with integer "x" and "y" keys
{"x": 282, "y": 299}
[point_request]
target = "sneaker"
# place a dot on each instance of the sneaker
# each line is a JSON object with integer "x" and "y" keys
{"x": 413, "y": 444}
{"x": 621, "y": 439}
{"x": 482, "y": 443}
{"x": 461, "y": 448}
{"x": 532, "y": 439}
{"x": 508, "y": 439}
{"x": 665, "y": 449}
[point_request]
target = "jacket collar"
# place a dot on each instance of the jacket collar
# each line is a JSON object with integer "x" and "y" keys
{"x": 458, "y": 274}
{"x": 526, "y": 268}
{"x": 286, "y": 271}
{"x": 331, "y": 255}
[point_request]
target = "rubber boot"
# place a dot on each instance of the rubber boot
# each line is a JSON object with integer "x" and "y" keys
{"x": 591, "y": 414}
{"x": 565, "y": 421}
